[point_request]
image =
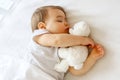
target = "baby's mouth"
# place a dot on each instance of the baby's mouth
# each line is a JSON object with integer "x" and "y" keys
{"x": 67, "y": 30}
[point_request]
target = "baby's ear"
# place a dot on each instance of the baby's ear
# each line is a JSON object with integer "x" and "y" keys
{"x": 41, "y": 25}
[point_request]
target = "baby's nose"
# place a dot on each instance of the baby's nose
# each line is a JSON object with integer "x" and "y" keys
{"x": 66, "y": 24}
{"x": 67, "y": 27}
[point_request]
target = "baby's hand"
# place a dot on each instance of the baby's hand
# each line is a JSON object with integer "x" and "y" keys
{"x": 97, "y": 52}
{"x": 89, "y": 42}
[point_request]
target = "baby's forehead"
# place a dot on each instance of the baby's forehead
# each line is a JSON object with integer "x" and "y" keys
{"x": 56, "y": 12}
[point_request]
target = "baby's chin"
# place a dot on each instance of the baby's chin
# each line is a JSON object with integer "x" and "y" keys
{"x": 64, "y": 32}
{"x": 67, "y": 30}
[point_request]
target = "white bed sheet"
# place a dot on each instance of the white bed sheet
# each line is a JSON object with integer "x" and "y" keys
{"x": 102, "y": 16}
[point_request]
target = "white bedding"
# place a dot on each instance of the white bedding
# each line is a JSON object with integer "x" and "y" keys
{"x": 103, "y": 16}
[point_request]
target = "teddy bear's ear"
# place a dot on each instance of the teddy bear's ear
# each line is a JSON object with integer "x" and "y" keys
{"x": 80, "y": 28}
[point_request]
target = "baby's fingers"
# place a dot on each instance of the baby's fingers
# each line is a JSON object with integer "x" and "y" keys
{"x": 92, "y": 44}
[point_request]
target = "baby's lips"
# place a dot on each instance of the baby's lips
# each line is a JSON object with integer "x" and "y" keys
{"x": 67, "y": 30}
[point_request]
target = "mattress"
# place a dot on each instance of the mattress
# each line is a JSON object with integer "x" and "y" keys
{"x": 102, "y": 16}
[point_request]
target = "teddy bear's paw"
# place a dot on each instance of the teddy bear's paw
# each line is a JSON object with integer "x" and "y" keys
{"x": 77, "y": 67}
{"x": 61, "y": 67}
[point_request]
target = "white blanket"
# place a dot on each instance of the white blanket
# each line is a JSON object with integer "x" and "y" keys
{"x": 103, "y": 16}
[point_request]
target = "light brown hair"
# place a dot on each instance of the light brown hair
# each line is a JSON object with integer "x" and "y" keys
{"x": 41, "y": 14}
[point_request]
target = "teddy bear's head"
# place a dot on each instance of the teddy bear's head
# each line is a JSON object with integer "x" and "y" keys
{"x": 80, "y": 28}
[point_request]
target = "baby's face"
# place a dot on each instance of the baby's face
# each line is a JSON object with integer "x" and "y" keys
{"x": 56, "y": 21}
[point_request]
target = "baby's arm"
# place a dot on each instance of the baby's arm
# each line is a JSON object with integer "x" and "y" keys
{"x": 95, "y": 54}
{"x": 62, "y": 40}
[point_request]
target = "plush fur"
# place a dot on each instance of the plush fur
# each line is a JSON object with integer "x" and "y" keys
{"x": 75, "y": 55}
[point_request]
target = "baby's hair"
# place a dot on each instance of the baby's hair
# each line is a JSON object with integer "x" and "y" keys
{"x": 41, "y": 14}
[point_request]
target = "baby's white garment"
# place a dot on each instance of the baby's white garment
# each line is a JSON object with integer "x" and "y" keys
{"x": 14, "y": 68}
{"x": 43, "y": 59}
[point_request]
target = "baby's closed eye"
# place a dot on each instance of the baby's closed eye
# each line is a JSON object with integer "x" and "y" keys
{"x": 59, "y": 20}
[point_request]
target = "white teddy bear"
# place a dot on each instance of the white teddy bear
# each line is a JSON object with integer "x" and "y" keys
{"x": 76, "y": 55}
